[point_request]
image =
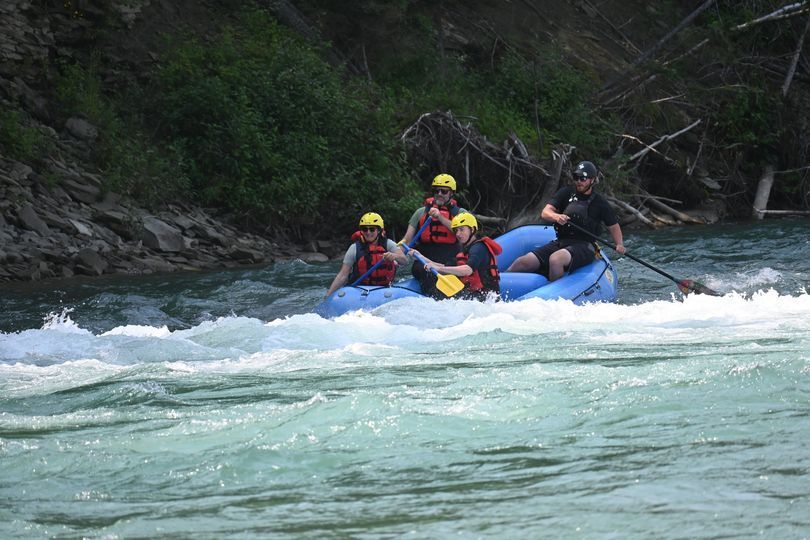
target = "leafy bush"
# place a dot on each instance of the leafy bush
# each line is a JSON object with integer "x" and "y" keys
{"x": 270, "y": 131}
{"x": 19, "y": 140}
{"x": 133, "y": 164}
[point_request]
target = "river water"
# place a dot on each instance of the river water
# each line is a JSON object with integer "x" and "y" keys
{"x": 215, "y": 405}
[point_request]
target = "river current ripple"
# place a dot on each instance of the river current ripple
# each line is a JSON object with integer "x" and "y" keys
{"x": 217, "y": 405}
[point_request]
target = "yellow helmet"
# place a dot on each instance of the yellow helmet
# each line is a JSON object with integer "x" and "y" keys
{"x": 444, "y": 180}
{"x": 464, "y": 219}
{"x": 372, "y": 219}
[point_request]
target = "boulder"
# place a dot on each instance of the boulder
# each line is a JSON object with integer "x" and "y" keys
{"x": 161, "y": 236}
{"x": 81, "y": 129}
{"x": 30, "y": 220}
{"x": 90, "y": 262}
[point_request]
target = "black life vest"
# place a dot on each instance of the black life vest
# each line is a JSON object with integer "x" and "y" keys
{"x": 577, "y": 210}
{"x": 488, "y": 280}
{"x": 436, "y": 233}
{"x": 367, "y": 256}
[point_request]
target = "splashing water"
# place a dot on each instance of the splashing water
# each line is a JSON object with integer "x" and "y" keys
{"x": 161, "y": 407}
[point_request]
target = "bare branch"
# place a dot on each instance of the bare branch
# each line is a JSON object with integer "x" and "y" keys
{"x": 790, "y": 10}
{"x": 644, "y": 152}
{"x": 795, "y": 61}
{"x": 655, "y": 48}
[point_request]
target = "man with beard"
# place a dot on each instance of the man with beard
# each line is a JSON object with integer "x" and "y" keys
{"x": 572, "y": 249}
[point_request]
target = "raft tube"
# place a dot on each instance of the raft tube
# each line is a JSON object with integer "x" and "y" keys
{"x": 595, "y": 282}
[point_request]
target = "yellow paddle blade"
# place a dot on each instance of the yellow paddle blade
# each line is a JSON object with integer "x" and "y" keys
{"x": 448, "y": 285}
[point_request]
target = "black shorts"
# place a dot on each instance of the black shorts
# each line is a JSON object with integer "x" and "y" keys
{"x": 582, "y": 253}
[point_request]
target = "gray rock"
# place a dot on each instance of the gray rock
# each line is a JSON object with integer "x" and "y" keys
{"x": 20, "y": 172}
{"x": 81, "y": 129}
{"x": 30, "y": 220}
{"x": 310, "y": 256}
{"x": 81, "y": 191}
{"x": 90, "y": 261}
{"x": 161, "y": 236}
{"x": 80, "y": 228}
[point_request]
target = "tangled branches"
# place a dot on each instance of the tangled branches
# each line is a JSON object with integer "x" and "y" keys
{"x": 498, "y": 181}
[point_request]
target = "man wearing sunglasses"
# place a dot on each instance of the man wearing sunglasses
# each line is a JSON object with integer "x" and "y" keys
{"x": 437, "y": 241}
{"x": 572, "y": 249}
{"x": 369, "y": 248}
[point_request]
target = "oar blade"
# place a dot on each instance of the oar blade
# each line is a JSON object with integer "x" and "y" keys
{"x": 448, "y": 285}
{"x": 687, "y": 285}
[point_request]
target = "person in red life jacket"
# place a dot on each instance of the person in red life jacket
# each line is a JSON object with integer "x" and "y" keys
{"x": 572, "y": 249}
{"x": 437, "y": 242}
{"x": 475, "y": 263}
{"x": 370, "y": 246}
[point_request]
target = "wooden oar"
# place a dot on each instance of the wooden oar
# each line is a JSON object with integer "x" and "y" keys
{"x": 446, "y": 283}
{"x": 378, "y": 263}
{"x": 685, "y": 285}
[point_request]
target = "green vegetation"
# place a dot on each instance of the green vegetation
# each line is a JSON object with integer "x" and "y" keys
{"x": 20, "y": 141}
{"x": 133, "y": 163}
{"x": 268, "y": 130}
{"x": 252, "y": 119}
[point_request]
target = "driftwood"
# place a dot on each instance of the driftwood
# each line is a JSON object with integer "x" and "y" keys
{"x": 763, "y": 192}
{"x": 669, "y": 137}
{"x": 686, "y": 218}
{"x": 785, "y": 212}
{"x": 795, "y": 60}
{"x": 790, "y": 10}
{"x": 496, "y": 180}
{"x": 630, "y": 210}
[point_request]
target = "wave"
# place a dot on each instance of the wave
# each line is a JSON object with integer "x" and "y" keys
{"x": 412, "y": 325}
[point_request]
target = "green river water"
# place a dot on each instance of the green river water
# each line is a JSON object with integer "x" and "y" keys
{"x": 217, "y": 406}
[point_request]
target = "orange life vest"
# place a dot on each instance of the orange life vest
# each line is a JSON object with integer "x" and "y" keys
{"x": 367, "y": 256}
{"x": 490, "y": 279}
{"x": 436, "y": 233}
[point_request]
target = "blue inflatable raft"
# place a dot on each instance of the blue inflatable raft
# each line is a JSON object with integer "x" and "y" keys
{"x": 595, "y": 282}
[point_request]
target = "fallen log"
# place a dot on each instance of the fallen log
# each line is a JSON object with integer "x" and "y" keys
{"x": 785, "y": 212}
{"x": 686, "y": 218}
{"x": 627, "y": 208}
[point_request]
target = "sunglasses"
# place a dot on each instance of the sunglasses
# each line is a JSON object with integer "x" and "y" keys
{"x": 441, "y": 191}
{"x": 581, "y": 179}
{"x": 369, "y": 229}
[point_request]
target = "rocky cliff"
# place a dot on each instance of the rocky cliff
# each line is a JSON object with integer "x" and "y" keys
{"x": 56, "y": 219}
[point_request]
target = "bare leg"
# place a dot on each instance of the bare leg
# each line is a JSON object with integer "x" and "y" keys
{"x": 557, "y": 263}
{"x": 525, "y": 263}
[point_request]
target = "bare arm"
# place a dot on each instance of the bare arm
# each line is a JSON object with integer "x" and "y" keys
{"x": 408, "y": 235}
{"x": 550, "y": 213}
{"x": 340, "y": 279}
{"x": 437, "y": 216}
{"x": 616, "y": 232}
{"x": 396, "y": 255}
{"x": 460, "y": 271}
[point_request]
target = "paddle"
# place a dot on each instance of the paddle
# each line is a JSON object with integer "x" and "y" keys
{"x": 685, "y": 285}
{"x": 378, "y": 263}
{"x": 446, "y": 283}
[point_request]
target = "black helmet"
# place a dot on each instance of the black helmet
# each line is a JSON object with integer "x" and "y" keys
{"x": 585, "y": 169}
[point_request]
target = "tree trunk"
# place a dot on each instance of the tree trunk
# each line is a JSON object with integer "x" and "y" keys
{"x": 763, "y": 192}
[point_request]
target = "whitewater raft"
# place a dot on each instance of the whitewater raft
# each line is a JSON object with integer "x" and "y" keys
{"x": 595, "y": 282}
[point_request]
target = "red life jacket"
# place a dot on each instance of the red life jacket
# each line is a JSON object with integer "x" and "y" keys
{"x": 489, "y": 280}
{"x": 367, "y": 256}
{"x": 436, "y": 233}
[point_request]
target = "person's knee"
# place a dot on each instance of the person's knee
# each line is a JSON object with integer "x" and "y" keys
{"x": 525, "y": 263}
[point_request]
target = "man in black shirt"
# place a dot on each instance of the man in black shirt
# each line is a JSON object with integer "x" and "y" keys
{"x": 572, "y": 249}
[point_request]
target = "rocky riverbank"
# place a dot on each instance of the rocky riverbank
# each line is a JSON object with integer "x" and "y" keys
{"x": 74, "y": 227}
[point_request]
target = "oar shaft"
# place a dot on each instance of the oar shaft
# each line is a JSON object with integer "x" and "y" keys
{"x": 612, "y": 246}
{"x": 421, "y": 259}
